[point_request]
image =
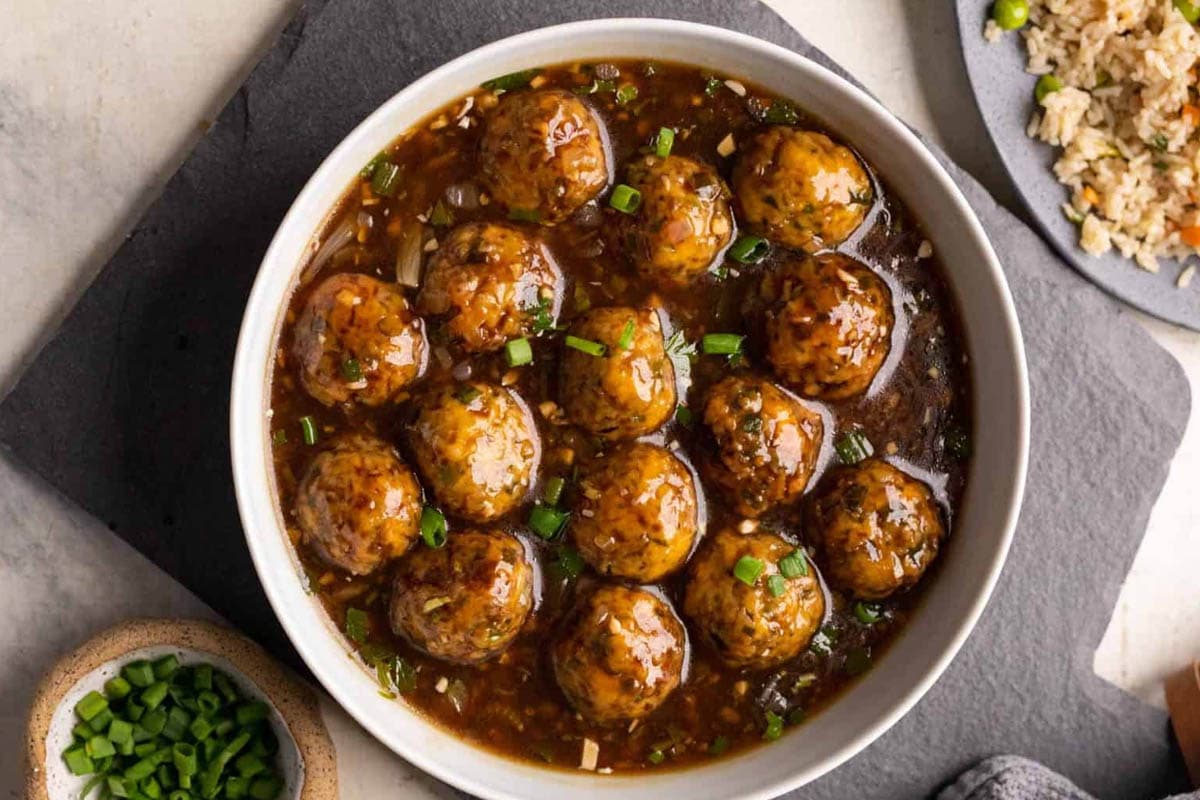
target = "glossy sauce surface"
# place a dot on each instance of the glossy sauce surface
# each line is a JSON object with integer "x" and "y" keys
{"x": 915, "y": 414}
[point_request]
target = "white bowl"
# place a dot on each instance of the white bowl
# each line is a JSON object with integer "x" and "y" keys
{"x": 984, "y": 528}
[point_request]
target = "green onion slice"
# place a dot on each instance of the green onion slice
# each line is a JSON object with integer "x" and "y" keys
{"x": 721, "y": 344}
{"x": 352, "y": 370}
{"x": 776, "y": 585}
{"x": 718, "y": 746}
{"x": 749, "y": 249}
{"x": 626, "y": 94}
{"x": 466, "y": 394}
{"x": 626, "y": 340}
{"x": 433, "y": 527}
{"x": 524, "y": 215}
{"x": 625, "y": 198}
{"x": 684, "y": 416}
{"x": 585, "y": 346}
{"x": 853, "y": 447}
{"x": 747, "y": 569}
{"x": 546, "y": 521}
{"x": 774, "y": 727}
{"x": 868, "y": 613}
{"x": 356, "y": 625}
{"x": 511, "y": 81}
{"x": 663, "y": 142}
{"x": 553, "y": 490}
{"x": 309, "y": 427}
{"x": 385, "y": 179}
{"x": 794, "y": 564}
{"x": 518, "y": 352}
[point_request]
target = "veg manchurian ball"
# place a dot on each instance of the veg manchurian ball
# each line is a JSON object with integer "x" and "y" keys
{"x": 357, "y": 338}
{"x": 767, "y": 443}
{"x": 878, "y": 528}
{"x": 358, "y": 504}
{"x": 829, "y": 322}
{"x": 627, "y": 391}
{"x": 476, "y": 446}
{"x": 466, "y": 601}
{"x": 683, "y": 223}
{"x": 748, "y": 625}
{"x": 490, "y": 279}
{"x": 801, "y": 189}
{"x": 636, "y": 515}
{"x": 620, "y": 654}
{"x": 543, "y": 154}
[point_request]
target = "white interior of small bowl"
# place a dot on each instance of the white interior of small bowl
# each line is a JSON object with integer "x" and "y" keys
{"x": 62, "y": 785}
{"x": 984, "y": 527}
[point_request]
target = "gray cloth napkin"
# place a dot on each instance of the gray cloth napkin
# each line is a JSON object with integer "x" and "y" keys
{"x": 1016, "y": 778}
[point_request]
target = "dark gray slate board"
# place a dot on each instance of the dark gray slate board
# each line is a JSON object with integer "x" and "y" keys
{"x": 126, "y": 409}
{"x": 1004, "y": 93}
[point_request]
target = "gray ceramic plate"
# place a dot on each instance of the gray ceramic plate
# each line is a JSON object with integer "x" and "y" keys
{"x": 1004, "y": 92}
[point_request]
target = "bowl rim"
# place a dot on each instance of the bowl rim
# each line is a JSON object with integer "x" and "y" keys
{"x": 249, "y": 385}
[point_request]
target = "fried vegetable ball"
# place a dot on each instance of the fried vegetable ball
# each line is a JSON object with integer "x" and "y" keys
{"x": 358, "y": 339}
{"x": 878, "y": 528}
{"x": 684, "y": 221}
{"x": 543, "y": 154}
{"x": 476, "y": 447}
{"x": 636, "y": 515}
{"x": 466, "y": 601}
{"x": 801, "y": 189}
{"x": 829, "y": 323}
{"x": 358, "y": 504}
{"x": 767, "y": 443}
{"x": 759, "y": 624}
{"x": 626, "y": 391}
{"x": 490, "y": 279}
{"x": 620, "y": 655}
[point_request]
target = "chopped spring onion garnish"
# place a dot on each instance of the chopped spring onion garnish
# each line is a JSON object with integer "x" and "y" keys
{"x": 719, "y": 745}
{"x": 570, "y": 562}
{"x": 352, "y": 370}
{"x": 656, "y": 757}
{"x": 721, "y": 344}
{"x": 280, "y": 436}
{"x": 440, "y": 215}
{"x": 774, "y": 727}
{"x": 853, "y": 447}
{"x": 543, "y": 316}
{"x": 627, "y": 94}
{"x": 179, "y": 743}
{"x": 513, "y": 80}
{"x": 466, "y": 394}
{"x": 957, "y": 442}
{"x": 547, "y": 522}
{"x": 663, "y": 142}
{"x": 309, "y": 427}
{"x": 781, "y": 112}
{"x": 433, "y": 527}
{"x": 684, "y": 416}
{"x": 776, "y": 585}
{"x": 585, "y": 346}
{"x": 747, "y": 569}
{"x": 625, "y": 198}
{"x": 553, "y": 490}
{"x": 596, "y": 86}
{"x": 712, "y": 86}
{"x": 626, "y": 340}
{"x": 857, "y": 661}
{"x": 794, "y": 564}
{"x": 356, "y": 625}
{"x": 749, "y": 249}
{"x": 385, "y": 179}
{"x": 524, "y": 215}
{"x": 518, "y": 352}
{"x": 868, "y": 613}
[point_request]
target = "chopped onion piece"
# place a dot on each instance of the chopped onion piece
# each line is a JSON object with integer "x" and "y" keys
{"x": 408, "y": 256}
{"x": 342, "y": 235}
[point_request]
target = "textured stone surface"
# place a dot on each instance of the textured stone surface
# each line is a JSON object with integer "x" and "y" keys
{"x": 144, "y": 360}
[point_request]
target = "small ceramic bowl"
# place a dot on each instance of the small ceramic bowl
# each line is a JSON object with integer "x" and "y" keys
{"x": 306, "y": 756}
{"x": 972, "y": 560}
